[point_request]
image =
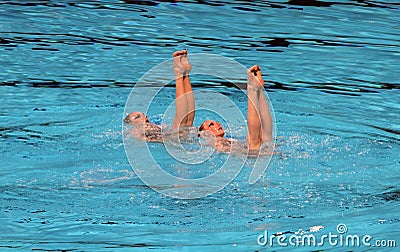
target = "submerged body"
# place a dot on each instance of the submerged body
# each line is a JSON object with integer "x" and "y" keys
{"x": 236, "y": 147}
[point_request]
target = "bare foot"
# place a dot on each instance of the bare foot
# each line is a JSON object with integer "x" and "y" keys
{"x": 254, "y": 77}
{"x": 185, "y": 61}
{"x": 182, "y": 66}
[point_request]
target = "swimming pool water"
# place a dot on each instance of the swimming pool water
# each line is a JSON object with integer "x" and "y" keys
{"x": 67, "y": 68}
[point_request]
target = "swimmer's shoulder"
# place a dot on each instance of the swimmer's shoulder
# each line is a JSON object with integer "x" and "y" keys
{"x": 153, "y": 133}
{"x": 152, "y": 127}
{"x": 146, "y": 132}
{"x": 225, "y": 144}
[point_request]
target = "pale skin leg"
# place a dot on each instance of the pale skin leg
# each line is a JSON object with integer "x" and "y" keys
{"x": 259, "y": 121}
{"x": 253, "y": 119}
{"x": 188, "y": 91}
{"x": 266, "y": 119}
{"x": 184, "y": 99}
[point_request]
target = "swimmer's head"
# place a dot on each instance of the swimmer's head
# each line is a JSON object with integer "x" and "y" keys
{"x": 136, "y": 118}
{"x": 213, "y": 127}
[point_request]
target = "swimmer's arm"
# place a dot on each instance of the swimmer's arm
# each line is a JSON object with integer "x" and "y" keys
{"x": 134, "y": 132}
{"x": 225, "y": 144}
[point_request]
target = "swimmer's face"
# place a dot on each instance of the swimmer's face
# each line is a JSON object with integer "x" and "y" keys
{"x": 213, "y": 127}
{"x": 136, "y": 118}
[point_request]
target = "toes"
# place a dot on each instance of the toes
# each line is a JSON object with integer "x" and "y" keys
{"x": 183, "y": 53}
{"x": 179, "y": 53}
{"x": 181, "y": 62}
{"x": 253, "y": 69}
{"x": 255, "y": 73}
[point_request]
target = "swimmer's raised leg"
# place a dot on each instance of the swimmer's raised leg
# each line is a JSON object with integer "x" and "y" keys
{"x": 259, "y": 120}
{"x": 188, "y": 90}
{"x": 184, "y": 100}
{"x": 253, "y": 107}
{"x": 266, "y": 119}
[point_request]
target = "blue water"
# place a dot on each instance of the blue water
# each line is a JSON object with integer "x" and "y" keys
{"x": 67, "y": 68}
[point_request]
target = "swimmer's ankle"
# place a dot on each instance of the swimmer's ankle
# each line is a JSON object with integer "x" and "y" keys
{"x": 255, "y": 89}
{"x": 179, "y": 73}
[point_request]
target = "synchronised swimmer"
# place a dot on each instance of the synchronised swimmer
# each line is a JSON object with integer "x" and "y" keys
{"x": 259, "y": 121}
